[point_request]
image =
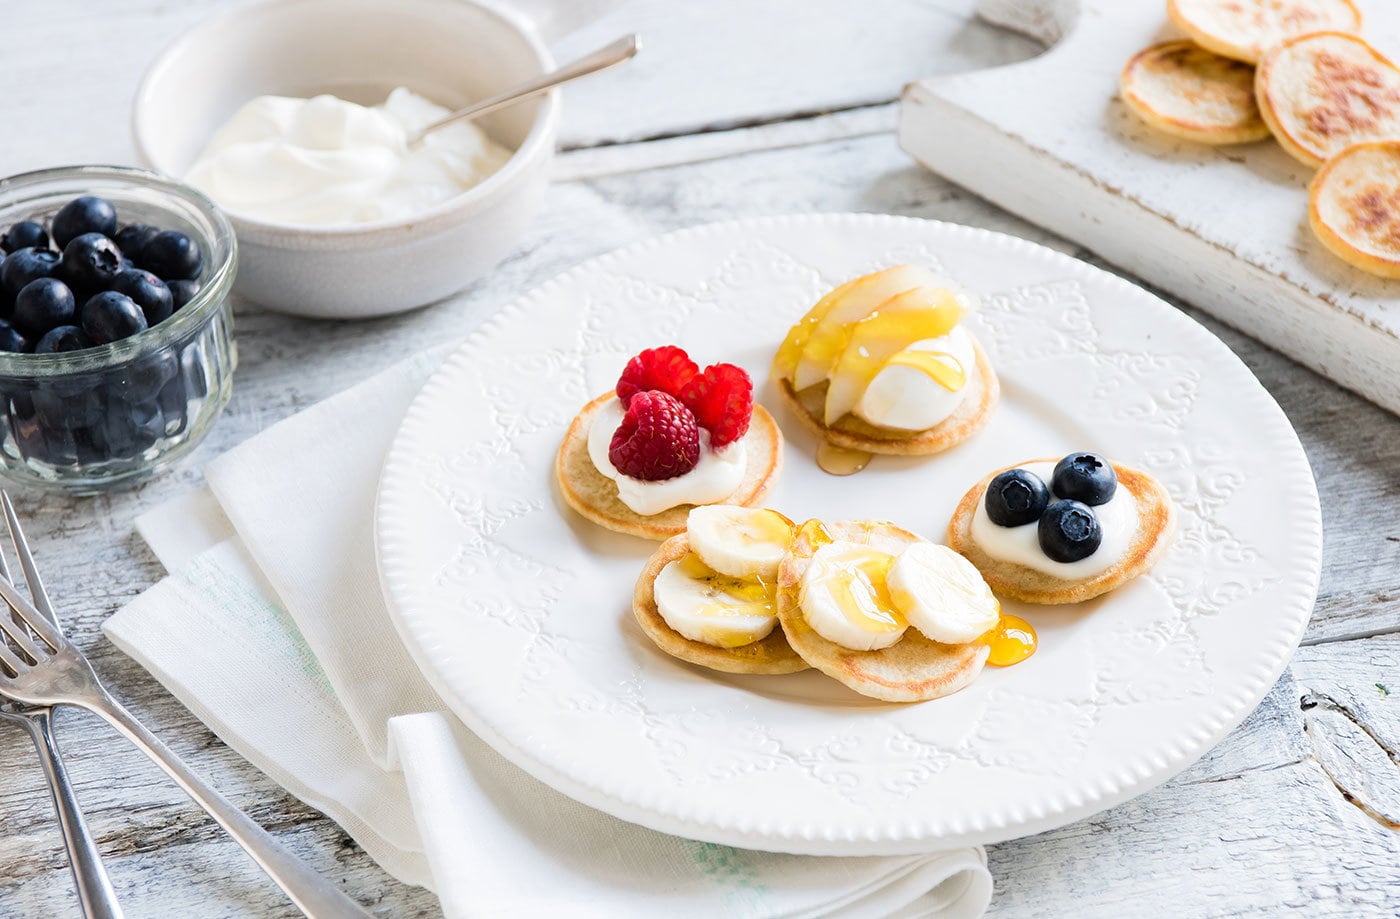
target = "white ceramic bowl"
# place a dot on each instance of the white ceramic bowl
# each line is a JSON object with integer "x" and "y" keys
{"x": 452, "y": 51}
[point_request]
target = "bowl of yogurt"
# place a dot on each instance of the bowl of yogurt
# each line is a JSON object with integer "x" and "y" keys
{"x": 296, "y": 118}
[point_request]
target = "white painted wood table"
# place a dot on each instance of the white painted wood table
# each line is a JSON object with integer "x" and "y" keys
{"x": 735, "y": 108}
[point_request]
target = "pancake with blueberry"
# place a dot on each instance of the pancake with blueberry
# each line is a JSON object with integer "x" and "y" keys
{"x": 669, "y": 437}
{"x": 1048, "y": 531}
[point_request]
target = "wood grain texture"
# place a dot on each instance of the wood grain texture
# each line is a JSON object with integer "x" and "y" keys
{"x": 1280, "y": 816}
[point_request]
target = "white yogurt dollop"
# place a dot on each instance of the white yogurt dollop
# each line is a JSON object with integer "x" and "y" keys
{"x": 714, "y": 478}
{"x": 325, "y": 161}
{"x": 907, "y": 399}
{"x": 1021, "y": 545}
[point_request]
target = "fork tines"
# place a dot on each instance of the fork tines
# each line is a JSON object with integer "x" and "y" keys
{"x": 23, "y": 613}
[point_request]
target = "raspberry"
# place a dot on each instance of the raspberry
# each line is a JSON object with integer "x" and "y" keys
{"x": 665, "y": 369}
{"x": 658, "y": 438}
{"x": 722, "y": 400}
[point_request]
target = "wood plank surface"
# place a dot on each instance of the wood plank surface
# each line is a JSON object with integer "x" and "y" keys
{"x": 1295, "y": 810}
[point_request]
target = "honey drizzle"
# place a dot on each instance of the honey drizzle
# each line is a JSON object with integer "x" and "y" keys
{"x": 1012, "y": 640}
{"x": 835, "y": 460}
{"x": 944, "y": 369}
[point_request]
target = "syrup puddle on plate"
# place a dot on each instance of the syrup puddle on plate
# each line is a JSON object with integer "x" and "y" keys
{"x": 836, "y": 460}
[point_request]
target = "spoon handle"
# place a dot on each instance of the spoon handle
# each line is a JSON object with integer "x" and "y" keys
{"x": 615, "y": 53}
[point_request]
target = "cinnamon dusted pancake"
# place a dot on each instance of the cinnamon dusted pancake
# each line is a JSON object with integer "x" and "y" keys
{"x": 1197, "y": 95}
{"x": 1247, "y": 29}
{"x": 1323, "y": 92}
{"x": 1354, "y": 207}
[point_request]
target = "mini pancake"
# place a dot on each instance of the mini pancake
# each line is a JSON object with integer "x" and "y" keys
{"x": 852, "y": 433}
{"x": 1354, "y": 207}
{"x": 594, "y": 495}
{"x": 770, "y": 655}
{"x": 1321, "y": 93}
{"x": 1017, "y": 582}
{"x": 913, "y": 669}
{"x": 1247, "y": 29}
{"x": 1197, "y": 95}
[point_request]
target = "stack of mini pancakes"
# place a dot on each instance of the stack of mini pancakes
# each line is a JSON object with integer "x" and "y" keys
{"x": 1299, "y": 71}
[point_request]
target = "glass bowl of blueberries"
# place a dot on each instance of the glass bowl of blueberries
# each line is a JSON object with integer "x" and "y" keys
{"x": 116, "y": 350}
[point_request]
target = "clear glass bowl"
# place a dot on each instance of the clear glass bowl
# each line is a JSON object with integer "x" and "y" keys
{"x": 119, "y": 412}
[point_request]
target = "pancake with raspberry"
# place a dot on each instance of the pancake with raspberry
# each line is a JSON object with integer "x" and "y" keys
{"x": 668, "y": 437}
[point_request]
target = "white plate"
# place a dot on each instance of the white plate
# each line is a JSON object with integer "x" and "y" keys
{"x": 518, "y": 610}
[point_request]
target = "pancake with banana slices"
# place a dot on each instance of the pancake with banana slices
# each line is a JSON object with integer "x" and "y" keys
{"x": 1354, "y": 207}
{"x": 1323, "y": 92}
{"x": 771, "y": 654}
{"x": 912, "y": 669}
{"x": 1197, "y": 95}
{"x": 1246, "y": 29}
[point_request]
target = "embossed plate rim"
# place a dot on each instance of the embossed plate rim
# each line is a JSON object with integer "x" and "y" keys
{"x": 426, "y": 629}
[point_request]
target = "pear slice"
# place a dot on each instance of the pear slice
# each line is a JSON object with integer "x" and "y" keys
{"x": 902, "y": 320}
{"x": 814, "y": 345}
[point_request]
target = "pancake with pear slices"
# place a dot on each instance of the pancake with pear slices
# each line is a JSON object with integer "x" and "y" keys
{"x": 912, "y": 669}
{"x": 883, "y": 364}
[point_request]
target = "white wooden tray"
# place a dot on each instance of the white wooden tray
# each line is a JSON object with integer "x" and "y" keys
{"x": 1223, "y": 228}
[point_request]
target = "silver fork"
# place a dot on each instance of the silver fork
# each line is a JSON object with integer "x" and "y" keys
{"x": 96, "y": 898}
{"x": 39, "y": 667}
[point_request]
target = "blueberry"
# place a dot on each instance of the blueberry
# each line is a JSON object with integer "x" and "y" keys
{"x": 1016, "y": 497}
{"x": 42, "y": 305}
{"x": 110, "y": 316}
{"x": 192, "y": 371}
{"x": 68, "y": 411}
{"x": 88, "y": 214}
{"x": 148, "y": 291}
{"x": 27, "y": 431}
{"x": 182, "y": 291}
{"x": 174, "y": 400}
{"x": 63, "y": 338}
{"x": 90, "y": 263}
{"x": 127, "y": 432}
{"x": 132, "y": 239}
{"x": 172, "y": 256}
{"x": 11, "y": 340}
{"x": 25, "y": 235}
{"x": 1085, "y": 477}
{"x": 141, "y": 380}
{"x": 1069, "y": 531}
{"x": 25, "y": 265}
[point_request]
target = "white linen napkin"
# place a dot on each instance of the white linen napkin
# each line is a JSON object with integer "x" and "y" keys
{"x": 272, "y": 629}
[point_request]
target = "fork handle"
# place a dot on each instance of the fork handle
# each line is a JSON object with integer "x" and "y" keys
{"x": 313, "y": 894}
{"x": 96, "y": 897}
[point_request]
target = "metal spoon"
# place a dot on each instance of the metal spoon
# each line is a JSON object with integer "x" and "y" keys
{"x": 615, "y": 53}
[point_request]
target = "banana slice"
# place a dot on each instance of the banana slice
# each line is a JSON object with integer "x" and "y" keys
{"x": 845, "y": 599}
{"x": 742, "y": 542}
{"x": 941, "y": 594}
{"x": 707, "y": 606}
